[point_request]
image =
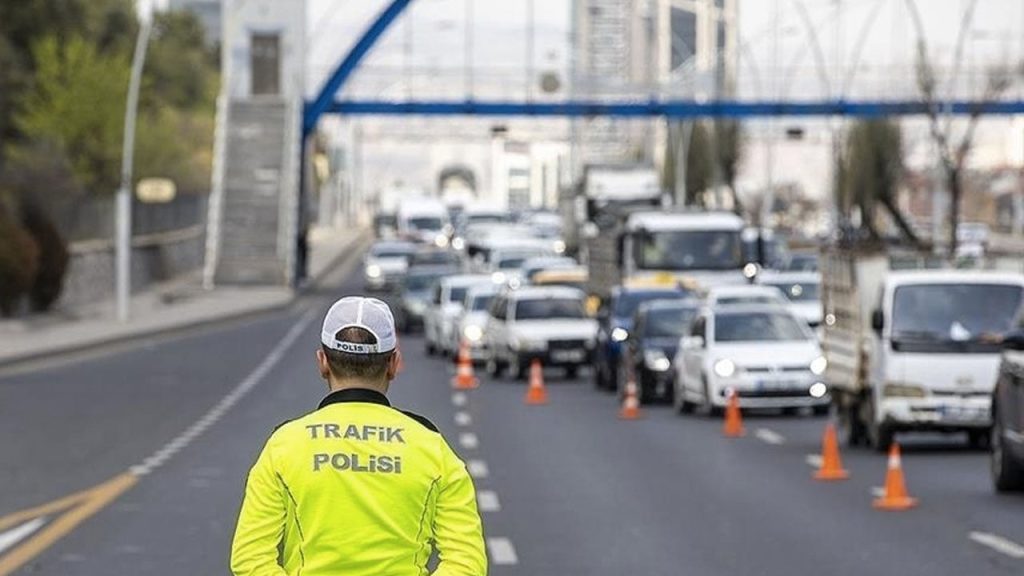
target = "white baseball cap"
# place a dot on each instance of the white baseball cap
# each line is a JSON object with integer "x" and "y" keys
{"x": 370, "y": 314}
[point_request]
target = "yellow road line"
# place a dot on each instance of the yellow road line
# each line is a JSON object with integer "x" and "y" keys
{"x": 77, "y": 508}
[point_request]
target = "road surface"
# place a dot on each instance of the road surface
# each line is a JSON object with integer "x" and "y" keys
{"x": 152, "y": 442}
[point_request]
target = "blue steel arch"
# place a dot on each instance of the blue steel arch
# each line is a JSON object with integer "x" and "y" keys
{"x": 326, "y": 102}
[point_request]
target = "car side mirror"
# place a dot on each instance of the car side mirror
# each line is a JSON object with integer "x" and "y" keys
{"x": 1014, "y": 340}
{"x": 877, "y": 321}
{"x": 693, "y": 342}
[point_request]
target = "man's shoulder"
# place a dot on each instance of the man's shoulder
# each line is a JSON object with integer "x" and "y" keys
{"x": 423, "y": 420}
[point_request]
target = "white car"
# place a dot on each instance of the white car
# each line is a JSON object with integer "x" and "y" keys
{"x": 445, "y": 306}
{"x": 549, "y": 324}
{"x": 802, "y": 289}
{"x": 764, "y": 353}
{"x": 385, "y": 263}
{"x": 472, "y": 321}
{"x": 506, "y": 259}
{"x": 744, "y": 294}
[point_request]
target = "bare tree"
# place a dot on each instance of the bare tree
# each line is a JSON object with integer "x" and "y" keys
{"x": 953, "y": 153}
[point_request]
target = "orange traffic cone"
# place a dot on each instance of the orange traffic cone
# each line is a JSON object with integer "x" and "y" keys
{"x": 896, "y": 497}
{"x": 733, "y": 427}
{"x": 536, "y": 393}
{"x": 831, "y": 465}
{"x": 464, "y": 377}
{"x": 630, "y": 404}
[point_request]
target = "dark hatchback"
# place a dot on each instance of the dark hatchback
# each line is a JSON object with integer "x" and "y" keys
{"x": 1007, "y": 454}
{"x": 652, "y": 344}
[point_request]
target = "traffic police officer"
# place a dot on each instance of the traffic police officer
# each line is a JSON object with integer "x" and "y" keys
{"x": 358, "y": 487}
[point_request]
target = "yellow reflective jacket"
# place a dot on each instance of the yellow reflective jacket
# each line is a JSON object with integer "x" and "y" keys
{"x": 358, "y": 487}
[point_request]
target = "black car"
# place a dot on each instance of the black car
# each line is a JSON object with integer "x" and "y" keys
{"x": 1008, "y": 415}
{"x": 413, "y": 295}
{"x": 652, "y": 344}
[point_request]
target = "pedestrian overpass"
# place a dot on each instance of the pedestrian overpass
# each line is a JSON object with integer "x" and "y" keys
{"x": 256, "y": 221}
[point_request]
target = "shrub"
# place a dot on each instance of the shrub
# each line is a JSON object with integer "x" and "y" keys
{"x": 53, "y": 257}
{"x": 19, "y": 257}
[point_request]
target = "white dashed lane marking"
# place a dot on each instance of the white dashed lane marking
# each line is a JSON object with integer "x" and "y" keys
{"x": 477, "y": 468}
{"x": 469, "y": 440}
{"x": 463, "y": 418}
{"x": 998, "y": 543}
{"x": 813, "y": 460}
{"x": 878, "y": 491}
{"x": 162, "y": 455}
{"x": 487, "y": 501}
{"x": 459, "y": 398}
{"x": 502, "y": 552}
{"x": 769, "y": 436}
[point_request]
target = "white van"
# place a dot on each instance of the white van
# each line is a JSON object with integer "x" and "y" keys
{"x": 423, "y": 220}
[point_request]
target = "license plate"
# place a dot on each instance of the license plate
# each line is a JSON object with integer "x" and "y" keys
{"x": 960, "y": 413}
{"x": 567, "y": 355}
{"x": 776, "y": 384}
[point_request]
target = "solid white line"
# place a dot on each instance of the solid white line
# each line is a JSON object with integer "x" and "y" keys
{"x": 463, "y": 419}
{"x": 487, "y": 500}
{"x": 998, "y": 543}
{"x": 769, "y": 436}
{"x": 468, "y": 440}
{"x": 182, "y": 441}
{"x": 459, "y": 398}
{"x": 477, "y": 468}
{"x": 813, "y": 460}
{"x": 19, "y": 533}
{"x": 502, "y": 551}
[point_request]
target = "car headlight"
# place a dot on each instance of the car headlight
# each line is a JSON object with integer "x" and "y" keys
{"x": 818, "y": 390}
{"x": 441, "y": 241}
{"x": 620, "y": 334}
{"x": 818, "y": 365}
{"x": 725, "y": 368}
{"x": 903, "y": 390}
{"x": 458, "y": 244}
{"x": 559, "y": 247}
{"x": 498, "y": 277}
{"x": 373, "y": 271}
{"x": 473, "y": 333}
{"x": 656, "y": 360}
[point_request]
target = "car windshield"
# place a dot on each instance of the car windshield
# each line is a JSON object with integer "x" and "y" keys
{"x": 748, "y": 299}
{"x": 457, "y": 293}
{"x": 481, "y": 303}
{"x": 664, "y": 322}
{"x": 799, "y": 291}
{"x": 626, "y": 303}
{"x": 425, "y": 223}
{"x": 392, "y": 251}
{"x": 546, "y": 308}
{"x": 420, "y": 282}
{"x": 689, "y": 250}
{"x": 758, "y": 327}
{"x": 952, "y": 317}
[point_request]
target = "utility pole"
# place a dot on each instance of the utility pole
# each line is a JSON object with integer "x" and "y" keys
{"x": 123, "y": 233}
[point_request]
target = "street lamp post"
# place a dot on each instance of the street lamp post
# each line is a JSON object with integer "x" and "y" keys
{"x": 123, "y": 215}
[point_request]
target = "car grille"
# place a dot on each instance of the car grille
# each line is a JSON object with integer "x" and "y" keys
{"x": 779, "y": 369}
{"x": 566, "y": 344}
{"x": 784, "y": 393}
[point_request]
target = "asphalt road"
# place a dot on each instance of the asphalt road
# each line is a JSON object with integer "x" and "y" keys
{"x": 567, "y": 488}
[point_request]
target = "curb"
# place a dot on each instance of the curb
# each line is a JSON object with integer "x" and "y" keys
{"x": 348, "y": 252}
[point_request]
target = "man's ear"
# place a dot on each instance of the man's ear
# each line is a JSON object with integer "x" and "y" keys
{"x": 394, "y": 365}
{"x": 322, "y": 365}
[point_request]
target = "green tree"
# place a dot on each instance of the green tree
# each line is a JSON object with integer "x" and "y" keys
{"x": 871, "y": 173}
{"x": 78, "y": 102}
{"x": 699, "y": 164}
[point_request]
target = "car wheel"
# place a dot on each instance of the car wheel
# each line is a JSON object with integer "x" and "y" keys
{"x": 515, "y": 368}
{"x": 850, "y": 427}
{"x": 822, "y": 410}
{"x": 978, "y": 439}
{"x": 571, "y": 372}
{"x": 494, "y": 367}
{"x": 879, "y": 434}
{"x": 1007, "y": 473}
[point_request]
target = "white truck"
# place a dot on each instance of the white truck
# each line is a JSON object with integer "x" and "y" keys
{"x": 912, "y": 350}
{"x": 698, "y": 249}
{"x": 602, "y": 193}
{"x": 423, "y": 220}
